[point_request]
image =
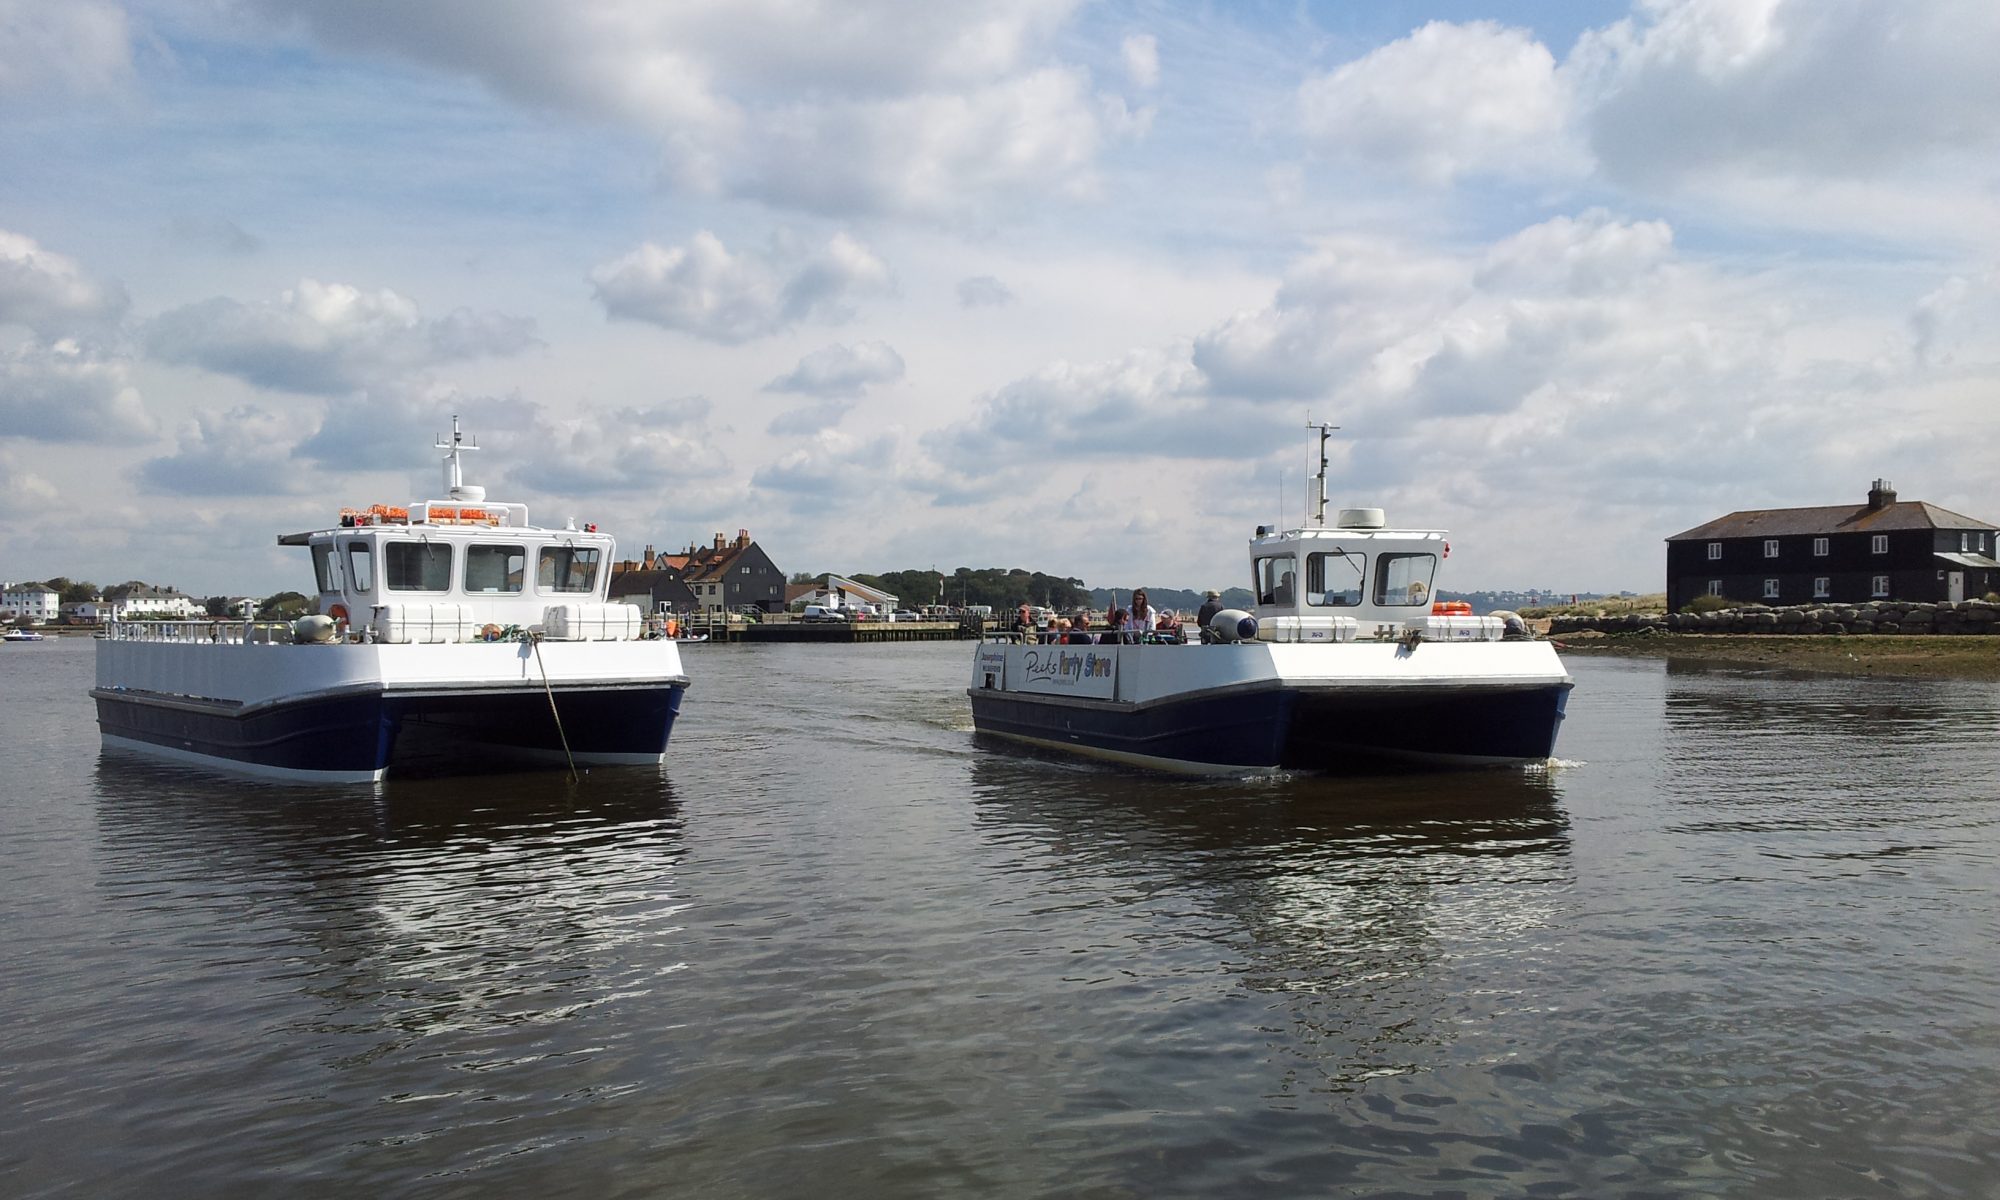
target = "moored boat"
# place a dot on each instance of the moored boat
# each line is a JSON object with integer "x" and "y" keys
{"x": 22, "y": 635}
{"x": 450, "y": 634}
{"x": 1344, "y": 659}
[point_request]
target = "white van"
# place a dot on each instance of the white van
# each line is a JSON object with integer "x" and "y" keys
{"x": 822, "y": 612}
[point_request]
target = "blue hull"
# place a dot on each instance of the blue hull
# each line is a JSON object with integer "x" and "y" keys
{"x": 363, "y": 735}
{"x": 1291, "y": 729}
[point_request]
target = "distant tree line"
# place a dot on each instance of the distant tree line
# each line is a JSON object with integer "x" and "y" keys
{"x": 996, "y": 587}
{"x": 1005, "y": 588}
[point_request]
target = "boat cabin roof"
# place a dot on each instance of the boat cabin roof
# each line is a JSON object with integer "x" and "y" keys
{"x": 1367, "y": 572}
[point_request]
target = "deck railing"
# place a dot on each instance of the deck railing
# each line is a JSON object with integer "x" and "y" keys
{"x": 236, "y": 633}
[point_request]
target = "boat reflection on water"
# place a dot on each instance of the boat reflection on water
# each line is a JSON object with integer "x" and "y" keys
{"x": 415, "y": 910}
{"x": 1366, "y": 911}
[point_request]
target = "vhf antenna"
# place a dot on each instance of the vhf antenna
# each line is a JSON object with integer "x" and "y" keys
{"x": 1325, "y": 431}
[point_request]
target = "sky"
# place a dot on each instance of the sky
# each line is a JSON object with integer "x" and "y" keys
{"x": 1026, "y": 283}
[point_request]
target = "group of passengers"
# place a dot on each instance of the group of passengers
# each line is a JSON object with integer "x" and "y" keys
{"x": 1141, "y": 622}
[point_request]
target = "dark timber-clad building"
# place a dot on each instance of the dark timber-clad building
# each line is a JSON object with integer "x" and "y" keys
{"x": 1883, "y": 550}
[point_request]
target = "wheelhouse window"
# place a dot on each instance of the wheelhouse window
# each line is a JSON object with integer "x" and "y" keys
{"x": 1714, "y": 551}
{"x": 495, "y": 570}
{"x": 416, "y": 566}
{"x": 1879, "y": 587}
{"x": 323, "y": 566}
{"x": 1879, "y": 544}
{"x": 1770, "y": 589}
{"x": 1822, "y": 587}
{"x": 1276, "y": 577}
{"x": 567, "y": 569}
{"x": 1404, "y": 579}
{"x": 1819, "y": 547}
{"x": 1335, "y": 580}
{"x": 1770, "y": 547}
{"x": 360, "y": 567}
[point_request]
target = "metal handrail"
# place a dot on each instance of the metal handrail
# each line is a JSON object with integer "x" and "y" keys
{"x": 233, "y": 633}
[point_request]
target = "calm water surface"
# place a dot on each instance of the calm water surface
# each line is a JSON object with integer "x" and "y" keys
{"x": 1743, "y": 941}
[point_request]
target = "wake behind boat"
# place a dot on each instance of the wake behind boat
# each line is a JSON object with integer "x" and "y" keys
{"x": 1344, "y": 660}
{"x": 449, "y": 633}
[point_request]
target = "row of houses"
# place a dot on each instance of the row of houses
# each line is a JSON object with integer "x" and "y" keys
{"x": 1886, "y": 549}
{"x": 40, "y": 604}
{"x": 724, "y": 576}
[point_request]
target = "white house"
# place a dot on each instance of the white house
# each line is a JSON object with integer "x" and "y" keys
{"x": 38, "y": 602}
{"x": 164, "y": 603}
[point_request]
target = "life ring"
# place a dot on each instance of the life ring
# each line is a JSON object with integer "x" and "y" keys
{"x": 490, "y": 632}
{"x": 338, "y": 612}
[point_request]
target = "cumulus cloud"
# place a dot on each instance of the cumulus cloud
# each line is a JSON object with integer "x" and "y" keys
{"x": 839, "y": 370}
{"x": 833, "y": 464}
{"x": 703, "y": 289}
{"x": 983, "y": 291}
{"x": 75, "y": 48}
{"x": 23, "y": 493}
{"x": 1148, "y": 404}
{"x": 397, "y": 425}
{"x": 242, "y": 452}
{"x": 1447, "y": 101}
{"x": 810, "y": 419}
{"x": 836, "y": 108}
{"x": 1338, "y": 309}
{"x": 1141, "y": 52}
{"x": 624, "y": 450}
{"x": 328, "y": 338}
{"x": 1819, "y": 88}
{"x": 51, "y": 294}
{"x": 67, "y": 391}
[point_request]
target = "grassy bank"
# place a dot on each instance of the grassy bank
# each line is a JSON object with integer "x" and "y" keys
{"x": 1932, "y": 657}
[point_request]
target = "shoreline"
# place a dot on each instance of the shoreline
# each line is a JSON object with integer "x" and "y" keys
{"x": 1923, "y": 656}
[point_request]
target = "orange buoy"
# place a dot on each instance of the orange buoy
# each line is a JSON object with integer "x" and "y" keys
{"x": 1451, "y": 608}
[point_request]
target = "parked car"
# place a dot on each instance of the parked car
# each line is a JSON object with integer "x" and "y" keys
{"x": 903, "y": 614}
{"x": 821, "y": 612}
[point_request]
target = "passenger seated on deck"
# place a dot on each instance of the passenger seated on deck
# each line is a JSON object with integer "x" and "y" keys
{"x": 1141, "y": 621}
{"x": 1116, "y": 620}
{"x": 1079, "y": 631}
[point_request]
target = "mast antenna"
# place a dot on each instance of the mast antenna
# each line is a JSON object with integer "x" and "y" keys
{"x": 1326, "y": 429}
{"x": 454, "y": 482}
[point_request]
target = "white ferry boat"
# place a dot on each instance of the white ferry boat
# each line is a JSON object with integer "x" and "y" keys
{"x": 1344, "y": 659}
{"x": 449, "y": 633}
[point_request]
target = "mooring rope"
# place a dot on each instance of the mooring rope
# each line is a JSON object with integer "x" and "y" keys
{"x": 535, "y": 640}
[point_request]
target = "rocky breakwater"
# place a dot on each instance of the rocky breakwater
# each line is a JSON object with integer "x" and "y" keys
{"x": 1879, "y": 616}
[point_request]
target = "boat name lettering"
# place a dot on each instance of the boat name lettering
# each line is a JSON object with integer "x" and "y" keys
{"x": 1058, "y": 664}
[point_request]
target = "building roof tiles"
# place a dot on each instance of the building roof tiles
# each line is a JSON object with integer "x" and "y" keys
{"x": 1838, "y": 518}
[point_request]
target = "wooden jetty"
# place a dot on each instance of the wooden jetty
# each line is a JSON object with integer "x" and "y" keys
{"x": 778, "y": 628}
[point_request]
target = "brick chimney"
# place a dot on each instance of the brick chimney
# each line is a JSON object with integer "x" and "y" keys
{"x": 718, "y": 541}
{"x": 742, "y": 539}
{"x": 649, "y": 558}
{"x": 1881, "y": 496}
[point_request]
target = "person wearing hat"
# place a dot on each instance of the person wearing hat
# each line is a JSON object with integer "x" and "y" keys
{"x": 1210, "y": 605}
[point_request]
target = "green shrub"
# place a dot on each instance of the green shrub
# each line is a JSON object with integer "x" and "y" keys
{"x": 1705, "y": 603}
